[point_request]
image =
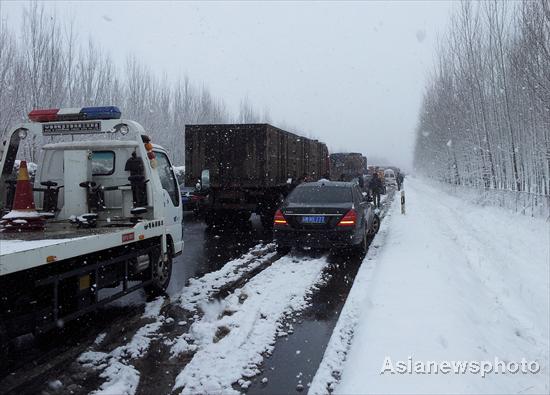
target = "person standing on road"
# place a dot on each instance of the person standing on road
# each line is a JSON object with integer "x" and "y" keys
{"x": 361, "y": 181}
{"x": 376, "y": 188}
{"x": 399, "y": 180}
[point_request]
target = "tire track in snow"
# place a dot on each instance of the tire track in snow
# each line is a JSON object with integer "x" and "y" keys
{"x": 117, "y": 366}
{"x": 235, "y": 333}
{"x": 229, "y": 276}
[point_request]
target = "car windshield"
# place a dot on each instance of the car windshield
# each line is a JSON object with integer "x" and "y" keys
{"x": 320, "y": 194}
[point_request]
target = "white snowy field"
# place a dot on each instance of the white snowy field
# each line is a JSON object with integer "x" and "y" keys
{"x": 450, "y": 282}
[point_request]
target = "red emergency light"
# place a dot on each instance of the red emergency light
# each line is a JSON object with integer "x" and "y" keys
{"x": 48, "y": 115}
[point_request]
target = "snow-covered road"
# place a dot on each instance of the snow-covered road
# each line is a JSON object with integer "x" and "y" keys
{"x": 234, "y": 334}
{"x": 449, "y": 281}
{"x": 452, "y": 282}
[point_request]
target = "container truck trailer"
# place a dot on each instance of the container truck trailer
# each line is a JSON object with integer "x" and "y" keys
{"x": 347, "y": 166}
{"x": 249, "y": 168}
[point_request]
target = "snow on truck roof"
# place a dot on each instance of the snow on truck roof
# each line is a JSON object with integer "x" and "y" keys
{"x": 76, "y": 145}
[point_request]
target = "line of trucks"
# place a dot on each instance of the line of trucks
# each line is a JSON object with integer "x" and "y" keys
{"x": 105, "y": 205}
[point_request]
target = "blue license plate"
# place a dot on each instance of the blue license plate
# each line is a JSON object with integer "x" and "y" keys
{"x": 313, "y": 220}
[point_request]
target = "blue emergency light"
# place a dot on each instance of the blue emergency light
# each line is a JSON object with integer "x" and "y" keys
{"x": 107, "y": 112}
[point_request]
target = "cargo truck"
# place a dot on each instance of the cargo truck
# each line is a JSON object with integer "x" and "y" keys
{"x": 102, "y": 219}
{"x": 248, "y": 168}
{"x": 345, "y": 166}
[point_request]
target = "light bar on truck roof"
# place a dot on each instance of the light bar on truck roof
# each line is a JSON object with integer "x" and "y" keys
{"x": 74, "y": 114}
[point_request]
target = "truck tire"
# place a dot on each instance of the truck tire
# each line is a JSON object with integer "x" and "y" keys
{"x": 4, "y": 347}
{"x": 162, "y": 272}
{"x": 209, "y": 218}
{"x": 267, "y": 220}
{"x": 219, "y": 218}
{"x": 283, "y": 250}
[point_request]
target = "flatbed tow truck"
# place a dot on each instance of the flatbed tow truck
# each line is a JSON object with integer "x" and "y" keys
{"x": 108, "y": 201}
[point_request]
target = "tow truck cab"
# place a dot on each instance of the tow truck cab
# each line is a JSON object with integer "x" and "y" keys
{"x": 112, "y": 211}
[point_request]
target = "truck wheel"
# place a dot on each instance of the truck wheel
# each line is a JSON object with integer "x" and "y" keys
{"x": 162, "y": 272}
{"x": 209, "y": 219}
{"x": 267, "y": 221}
{"x": 4, "y": 347}
{"x": 283, "y": 250}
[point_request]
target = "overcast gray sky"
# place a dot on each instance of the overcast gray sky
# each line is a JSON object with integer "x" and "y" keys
{"x": 349, "y": 73}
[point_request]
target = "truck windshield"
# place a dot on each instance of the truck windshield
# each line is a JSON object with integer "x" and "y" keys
{"x": 320, "y": 194}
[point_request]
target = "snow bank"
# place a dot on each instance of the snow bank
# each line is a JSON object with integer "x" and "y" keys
{"x": 454, "y": 282}
{"x": 330, "y": 369}
{"x": 234, "y": 334}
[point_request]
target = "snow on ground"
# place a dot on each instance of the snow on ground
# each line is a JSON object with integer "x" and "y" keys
{"x": 452, "y": 282}
{"x": 339, "y": 344}
{"x": 152, "y": 309}
{"x": 235, "y": 333}
{"x": 120, "y": 376}
{"x": 201, "y": 289}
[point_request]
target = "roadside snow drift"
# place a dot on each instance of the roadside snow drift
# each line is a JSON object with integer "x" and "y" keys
{"x": 452, "y": 282}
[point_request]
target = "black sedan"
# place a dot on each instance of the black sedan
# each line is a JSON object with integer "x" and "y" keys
{"x": 325, "y": 214}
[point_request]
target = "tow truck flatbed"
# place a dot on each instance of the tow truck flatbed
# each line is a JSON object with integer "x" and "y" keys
{"x": 63, "y": 240}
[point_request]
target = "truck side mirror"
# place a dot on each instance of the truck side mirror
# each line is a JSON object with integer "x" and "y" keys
{"x": 205, "y": 179}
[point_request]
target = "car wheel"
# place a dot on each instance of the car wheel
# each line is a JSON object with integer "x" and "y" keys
{"x": 162, "y": 272}
{"x": 362, "y": 247}
{"x": 375, "y": 227}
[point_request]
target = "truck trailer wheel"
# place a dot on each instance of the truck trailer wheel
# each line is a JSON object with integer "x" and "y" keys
{"x": 4, "y": 347}
{"x": 267, "y": 220}
{"x": 162, "y": 272}
{"x": 283, "y": 250}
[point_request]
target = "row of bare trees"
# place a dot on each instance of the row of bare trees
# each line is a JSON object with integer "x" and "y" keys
{"x": 47, "y": 65}
{"x": 485, "y": 118}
